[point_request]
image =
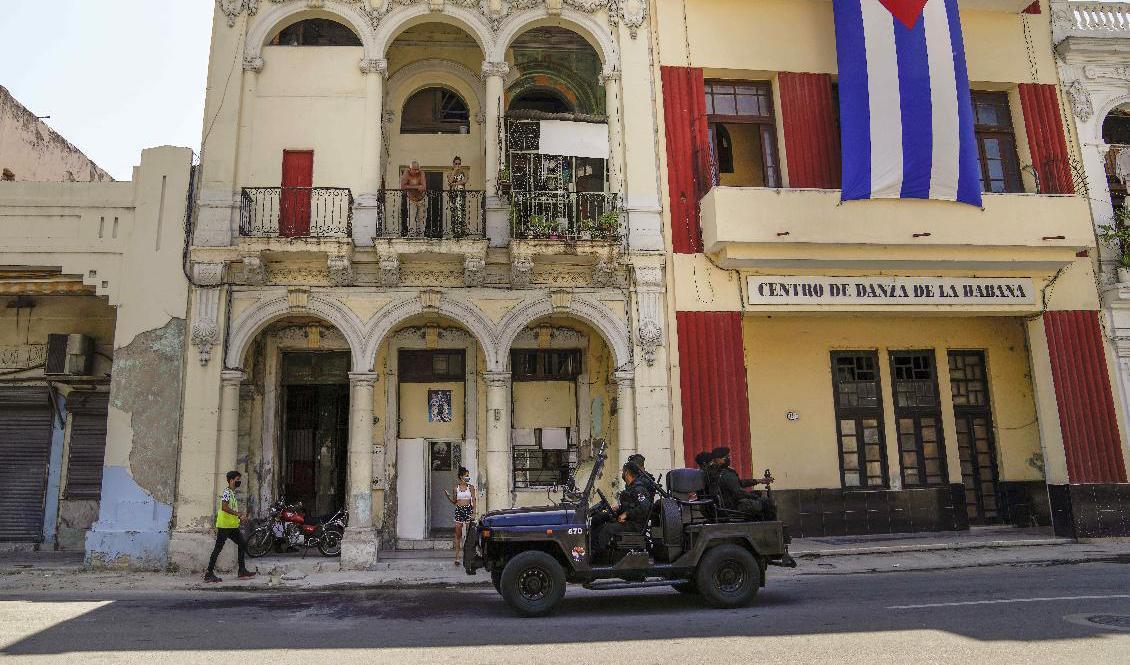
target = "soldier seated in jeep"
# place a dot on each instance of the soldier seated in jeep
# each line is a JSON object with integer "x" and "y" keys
{"x": 629, "y": 517}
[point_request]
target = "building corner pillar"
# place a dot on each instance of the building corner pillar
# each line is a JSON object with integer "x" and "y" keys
{"x": 359, "y": 547}
{"x": 498, "y": 221}
{"x": 625, "y": 412}
{"x": 498, "y": 440}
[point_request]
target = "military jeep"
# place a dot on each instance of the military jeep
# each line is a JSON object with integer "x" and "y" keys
{"x": 689, "y": 543}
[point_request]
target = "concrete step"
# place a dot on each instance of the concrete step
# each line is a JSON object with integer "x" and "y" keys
{"x": 420, "y": 554}
{"x": 285, "y": 564}
{"x": 427, "y": 544}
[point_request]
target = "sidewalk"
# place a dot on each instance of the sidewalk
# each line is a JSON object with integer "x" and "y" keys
{"x": 57, "y": 571}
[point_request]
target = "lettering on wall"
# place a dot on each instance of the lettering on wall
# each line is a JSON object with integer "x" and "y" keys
{"x": 800, "y": 290}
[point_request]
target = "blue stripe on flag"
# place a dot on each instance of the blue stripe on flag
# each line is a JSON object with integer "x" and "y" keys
{"x": 855, "y": 116}
{"x": 969, "y": 168}
{"x": 917, "y": 109}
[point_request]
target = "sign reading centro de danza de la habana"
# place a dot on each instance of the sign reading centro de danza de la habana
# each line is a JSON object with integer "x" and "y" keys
{"x": 799, "y": 290}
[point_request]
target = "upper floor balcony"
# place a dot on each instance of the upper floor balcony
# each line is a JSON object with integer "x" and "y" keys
{"x": 1090, "y": 20}
{"x": 755, "y": 228}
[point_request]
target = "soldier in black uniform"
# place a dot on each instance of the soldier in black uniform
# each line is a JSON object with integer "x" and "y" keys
{"x": 630, "y": 516}
{"x": 648, "y": 479}
{"x": 732, "y": 489}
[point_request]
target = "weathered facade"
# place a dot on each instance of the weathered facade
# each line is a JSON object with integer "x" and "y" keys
{"x": 900, "y": 365}
{"x": 354, "y": 340}
{"x": 32, "y": 151}
{"x": 91, "y": 350}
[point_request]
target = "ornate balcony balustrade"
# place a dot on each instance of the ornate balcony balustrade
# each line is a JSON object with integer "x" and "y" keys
{"x": 563, "y": 215}
{"x": 296, "y": 212}
{"x": 1091, "y": 19}
{"x": 436, "y": 214}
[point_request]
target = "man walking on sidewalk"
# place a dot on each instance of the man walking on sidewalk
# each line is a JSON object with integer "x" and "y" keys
{"x": 228, "y": 518}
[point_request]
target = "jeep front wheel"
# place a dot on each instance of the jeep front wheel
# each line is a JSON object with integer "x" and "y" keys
{"x": 728, "y": 576}
{"x": 533, "y": 583}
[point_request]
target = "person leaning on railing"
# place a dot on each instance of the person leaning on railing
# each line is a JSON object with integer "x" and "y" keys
{"x": 415, "y": 188}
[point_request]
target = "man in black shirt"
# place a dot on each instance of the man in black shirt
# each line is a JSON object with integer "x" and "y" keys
{"x": 731, "y": 490}
{"x": 647, "y": 479}
{"x": 630, "y": 516}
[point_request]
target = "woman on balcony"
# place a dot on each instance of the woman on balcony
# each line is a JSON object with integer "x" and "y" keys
{"x": 457, "y": 197}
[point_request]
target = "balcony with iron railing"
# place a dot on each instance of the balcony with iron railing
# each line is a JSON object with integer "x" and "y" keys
{"x": 431, "y": 215}
{"x": 296, "y": 212}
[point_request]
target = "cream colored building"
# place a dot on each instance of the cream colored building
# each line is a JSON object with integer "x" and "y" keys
{"x": 900, "y": 365}
{"x": 352, "y": 346}
{"x": 32, "y": 151}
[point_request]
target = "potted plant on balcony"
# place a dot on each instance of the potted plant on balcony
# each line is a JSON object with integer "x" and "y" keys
{"x": 503, "y": 184}
{"x": 607, "y": 226}
{"x": 540, "y": 226}
{"x": 1117, "y": 236}
{"x": 586, "y": 228}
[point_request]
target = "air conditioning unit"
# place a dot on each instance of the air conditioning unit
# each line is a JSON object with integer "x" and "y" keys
{"x": 69, "y": 355}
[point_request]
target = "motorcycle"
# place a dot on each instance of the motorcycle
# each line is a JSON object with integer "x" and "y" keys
{"x": 288, "y": 527}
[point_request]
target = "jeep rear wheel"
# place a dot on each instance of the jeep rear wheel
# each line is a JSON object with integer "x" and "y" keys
{"x": 728, "y": 576}
{"x": 533, "y": 583}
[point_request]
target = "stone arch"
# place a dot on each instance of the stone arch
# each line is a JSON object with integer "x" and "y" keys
{"x": 266, "y": 23}
{"x": 404, "y": 17}
{"x": 614, "y": 331}
{"x": 471, "y": 88}
{"x": 465, "y": 314}
{"x": 588, "y": 27}
{"x": 265, "y": 312}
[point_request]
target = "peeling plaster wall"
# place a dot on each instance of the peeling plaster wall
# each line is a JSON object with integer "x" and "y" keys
{"x": 138, "y": 491}
{"x": 35, "y": 152}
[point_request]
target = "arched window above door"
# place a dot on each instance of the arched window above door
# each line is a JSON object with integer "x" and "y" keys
{"x": 316, "y": 32}
{"x": 435, "y": 110}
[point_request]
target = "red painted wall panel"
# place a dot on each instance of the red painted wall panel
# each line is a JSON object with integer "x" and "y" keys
{"x": 713, "y": 381}
{"x": 688, "y": 153}
{"x": 1046, "y": 140}
{"x": 1083, "y": 395}
{"x": 1033, "y": 8}
{"x": 809, "y": 119}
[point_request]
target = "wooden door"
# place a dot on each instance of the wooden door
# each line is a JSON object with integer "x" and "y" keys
{"x": 294, "y": 205}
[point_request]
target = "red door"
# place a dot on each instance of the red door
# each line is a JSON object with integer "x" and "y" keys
{"x": 294, "y": 206}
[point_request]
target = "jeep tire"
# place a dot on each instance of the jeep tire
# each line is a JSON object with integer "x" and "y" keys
{"x": 533, "y": 583}
{"x": 728, "y": 576}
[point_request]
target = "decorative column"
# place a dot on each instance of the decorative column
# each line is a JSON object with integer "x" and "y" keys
{"x": 365, "y": 216}
{"x": 251, "y": 69}
{"x": 625, "y": 412}
{"x": 611, "y": 80}
{"x": 497, "y": 223}
{"x": 359, "y": 547}
{"x": 227, "y": 443}
{"x": 498, "y": 440}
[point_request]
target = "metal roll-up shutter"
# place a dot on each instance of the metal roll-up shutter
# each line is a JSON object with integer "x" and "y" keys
{"x": 87, "y": 447}
{"x": 25, "y": 447}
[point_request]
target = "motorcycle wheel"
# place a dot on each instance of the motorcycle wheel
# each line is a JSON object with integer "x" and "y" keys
{"x": 260, "y": 542}
{"x": 330, "y": 542}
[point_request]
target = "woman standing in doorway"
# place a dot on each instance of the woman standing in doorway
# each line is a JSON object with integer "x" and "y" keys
{"x": 464, "y": 501}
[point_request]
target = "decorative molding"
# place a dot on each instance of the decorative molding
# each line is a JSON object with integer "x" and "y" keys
{"x": 420, "y": 334}
{"x": 296, "y": 300}
{"x": 612, "y": 328}
{"x": 431, "y": 300}
{"x": 624, "y": 378}
{"x": 205, "y": 323}
{"x": 233, "y": 8}
{"x": 374, "y": 66}
{"x": 521, "y": 271}
{"x": 254, "y": 270}
{"x": 559, "y": 338}
{"x": 208, "y": 274}
{"x": 390, "y": 270}
{"x": 297, "y": 297}
{"x": 363, "y": 379}
{"x": 329, "y": 337}
{"x": 474, "y": 270}
{"x": 496, "y": 379}
{"x": 341, "y": 270}
{"x": 499, "y": 69}
{"x": 604, "y": 272}
{"x": 1080, "y": 100}
{"x": 230, "y": 377}
{"x": 254, "y": 64}
{"x": 649, "y": 283}
{"x": 1118, "y": 72}
{"x": 632, "y": 12}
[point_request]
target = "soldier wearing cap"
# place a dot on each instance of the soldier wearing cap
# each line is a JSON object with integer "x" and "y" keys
{"x": 630, "y": 516}
{"x": 646, "y": 477}
{"x": 731, "y": 489}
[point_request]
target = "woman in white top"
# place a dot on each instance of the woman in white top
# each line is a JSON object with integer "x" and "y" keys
{"x": 464, "y": 502}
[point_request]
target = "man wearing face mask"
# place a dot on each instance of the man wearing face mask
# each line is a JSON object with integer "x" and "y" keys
{"x": 228, "y": 517}
{"x": 631, "y": 515}
{"x": 732, "y": 489}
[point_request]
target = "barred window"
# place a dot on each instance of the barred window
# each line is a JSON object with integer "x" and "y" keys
{"x": 859, "y": 419}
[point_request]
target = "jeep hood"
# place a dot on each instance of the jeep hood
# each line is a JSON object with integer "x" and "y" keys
{"x": 543, "y": 515}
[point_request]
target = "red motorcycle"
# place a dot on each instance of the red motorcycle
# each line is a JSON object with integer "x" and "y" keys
{"x": 288, "y": 527}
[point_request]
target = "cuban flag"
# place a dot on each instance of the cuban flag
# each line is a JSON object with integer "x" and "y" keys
{"x": 906, "y": 118}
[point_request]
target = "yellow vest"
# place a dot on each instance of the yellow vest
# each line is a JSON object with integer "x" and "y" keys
{"x": 227, "y": 520}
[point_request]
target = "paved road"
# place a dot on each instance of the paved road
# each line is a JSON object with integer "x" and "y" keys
{"x": 999, "y": 614}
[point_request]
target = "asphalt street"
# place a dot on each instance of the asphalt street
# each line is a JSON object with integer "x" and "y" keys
{"x": 997, "y": 614}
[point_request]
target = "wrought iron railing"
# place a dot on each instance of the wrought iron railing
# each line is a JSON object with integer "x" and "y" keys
{"x": 454, "y": 213}
{"x": 296, "y": 212}
{"x": 561, "y": 215}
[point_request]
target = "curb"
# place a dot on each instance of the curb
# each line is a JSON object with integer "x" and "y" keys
{"x": 932, "y": 547}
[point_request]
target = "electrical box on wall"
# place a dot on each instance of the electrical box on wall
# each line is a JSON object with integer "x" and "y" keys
{"x": 69, "y": 355}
